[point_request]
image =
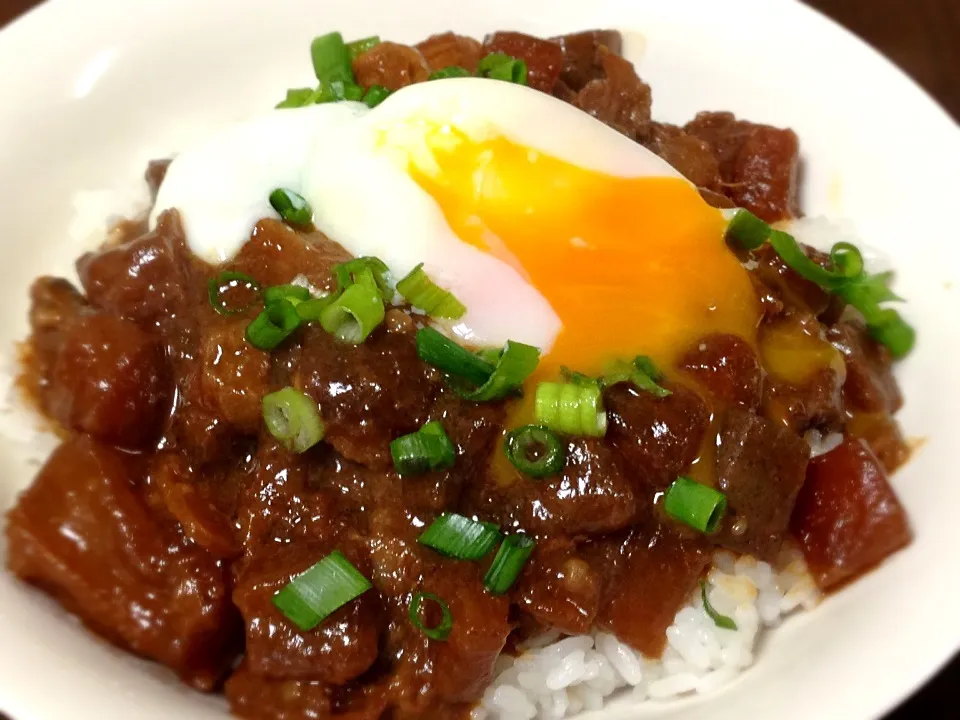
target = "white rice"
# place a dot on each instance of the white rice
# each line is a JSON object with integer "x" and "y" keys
{"x": 557, "y": 677}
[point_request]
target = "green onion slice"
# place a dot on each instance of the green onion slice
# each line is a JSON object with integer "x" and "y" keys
{"x": 311, "y": 310}
{"x": 440, "y": 631}
{"x": 571, "y": 409}
{"x": 501, "y": 66}
{"x": 375, "y": 95}
{"x": 355, "y": 314}
{"x": 515, "y": 365}
{"x": 749, "y": 231}
{"x": 292, "y": 418}
{"x": 423, "y": 293}
{"x": 291, "y": 206}
{"x": 641, "y": 372}
{"x": 274, "y": 325}
{"x": 437, "y": 350}
{"x": 696, "y": 505}
{"x": 361, "y": 268}
{"x": 508, "y": 562}
{"x": 315, "y": 594}
{"x": 359, "y": 47}
{"x": 331, "y": 58}
{"x": 297, "y": 97}
{"x": 536, "y": 451}
{"x": 427, "y": 449}
{"x": 460, "y": 537}
{"x": 227, "y": 281}
{"x": 453, "y": 71}
{"x": 721, "y": 621}
{"x": 294, "y": 293}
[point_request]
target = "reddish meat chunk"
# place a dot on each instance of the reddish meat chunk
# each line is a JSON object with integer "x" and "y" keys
{"x": 785, "y": 285}
{"x": 652, "y": 575}
{"x": 881, "y": 433}
{"x": 621, "y": 99}
{"x": 815, "y": 403}
{"x": 392, "y": 65}
{"x": 263, "y": 698}
{"x": 689, "y": 155}
{"x": 727, "y": 367}
{"x": 870, "y": 386}
{"x": 110, "y": 380}
{"x": 657, "y": 438}
{"x": 582, "y": 58}
{"x": 82, "y": 533}
{"x": 848, "y": 517}
{"x": 339, "y": 649}
{"x": 451, "y": 50}
{"x": 55, "y": 305}
{"x": 544, "y": 58}
{"x": 760, "y": 468}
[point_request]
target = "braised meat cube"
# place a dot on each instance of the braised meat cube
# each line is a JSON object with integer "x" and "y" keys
{"x": 689, "y": 155}
{"x": 451, "y": 50}
{"x": 391, "y": 65}
{"x": 582, "y": 58}
{"x": 544, "y": 58}
{"x": 870, "y": 386}
{"x": 620, "y": 99}
{"x": 728, "y": 368}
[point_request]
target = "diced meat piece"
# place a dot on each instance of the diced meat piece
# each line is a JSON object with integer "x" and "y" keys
{"x": 110, "y": 380}
{"x": 652, "y": 575}
{"x": 235, "y": 374}
{"x": 145, "y": 279}
{"x": 815, "y": 403}
{"x": 559, "y": 588}
{"x": 55, "y": 305}
{"x": 870, "y": 386}
{"x": 544, "y": 58}
{"x": 758, "y": 163}
{"x": 848, "y": 517}
{"x": 155, "y": 174}
{"x": 82, "y": 533}
{"x": 339, "y": 649}
{"x": 581, "y": 55}
{"x": 369, "y": 394}
{"x": 658, "y": 438}
{"x": 760, "y": 468}
{"x": 785, "y": 284}
{"x": 463, "y": 663}
{"x": 621, "y": 99}
{"x": 728, "y": 368}
{"x": 390, "y": 64}
{"x": 451, "y": 50}
{"x": 263, "y": 698}
{"x": 883, "y": 436}
{"x": 689, "y": 155}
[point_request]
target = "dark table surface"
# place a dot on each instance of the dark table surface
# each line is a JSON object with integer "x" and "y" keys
{"x": 923, "y": 37}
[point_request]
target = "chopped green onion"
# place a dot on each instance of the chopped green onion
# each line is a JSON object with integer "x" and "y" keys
{"x": 427, "y": 449}
{"x": 291, "y": 206}
{"x": 576, "y": 377}
{"x": 274, "y": 325}
{"x": 748, "y": 230}
{"x": 348, "y": 273}
{"x": 297, "y": 97}
{"x": 375, "y": 95}
{"x": 501, "y": 66}
{"x": 889, "y": 329}
{"x": 641, "y": 372}
{"x": 311, "y": 310}
{"x": 421, "y": 292}
{"x": 355, "y": 314}
{"x": 721, "y": 621}
{"x": 699, "y": 506}
{"x": 517, "y": 361}
{"x": 331, "y": 58}
{"x": 440, "y": 631}
{"x": 359, "y": 47}
{"x": 315, "y": 594}
{"x": 444, "y": 354}
{"x": 292, "y": 418}
{"x": 453, "y": 71}
{"x": 294, "y": 293}
{"x": 509, "y": 561}
{"x": 232, "y": 281}
{"x": 460, "y": 537}
{"x": 535, "y": 450}
{"x": 571, "y": 409}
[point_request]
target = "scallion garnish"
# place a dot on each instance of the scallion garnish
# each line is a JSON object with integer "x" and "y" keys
{"x": 427, "y": 449}
{"x": 227, "y": 281}
{"x": 423, "y": 293}
{"x": 515, "y": 364}
{"x": 311, "y": 310}
{"x": 359, "y": 47}
{"x": 274, "y": 325}
{"x": 292, "y": 207}
{"x": 440, "y": 631}
{"x": 699, "y": 506}
{"x": 535, "y": 450}
{"x": 331, "y": 59}
{"x": 294, "y": 293}
{"x": 375, "y": 95}
{"x": 641, "y": 372}
{"x": 453, "y": 71}
{"x": 444, "y": 354}
{"x": 297, "y": 97}
{"x": 501, "y": 66}
{"x": 354, "y": 314}
{"x": 460, "y": 537}
{"x": 292, "y": 418}
{"x": 749, "y": 231}
{"x": 571, "y": 409}
{"x": 509, "y": 561}
{"x": 348, "y": 273}
{"x": 721, "y": 621}
{"x": 315, "y": 594}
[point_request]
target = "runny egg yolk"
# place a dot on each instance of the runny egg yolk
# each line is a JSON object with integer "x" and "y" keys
{"x": 631, "y": 266}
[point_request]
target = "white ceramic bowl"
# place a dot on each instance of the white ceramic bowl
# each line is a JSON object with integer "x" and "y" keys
{"x": 92, "y": 89}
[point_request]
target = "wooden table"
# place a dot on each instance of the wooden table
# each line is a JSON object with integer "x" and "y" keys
{"x": 923, "y": 37}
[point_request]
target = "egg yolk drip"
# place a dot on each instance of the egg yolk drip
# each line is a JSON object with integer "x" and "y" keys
{"x": 631, "y": 266}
